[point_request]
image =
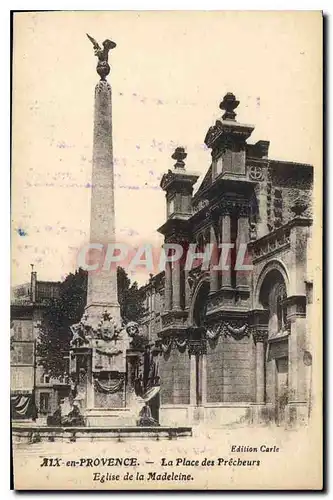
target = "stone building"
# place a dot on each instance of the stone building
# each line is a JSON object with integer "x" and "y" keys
{"x": 153, "y": 304}
{"x": 234, "y": 342}
{"x": 29, "y": 383}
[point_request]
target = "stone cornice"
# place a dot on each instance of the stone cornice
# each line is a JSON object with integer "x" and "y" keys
{"x": 260, "y": 162}
{"x": 225, "y": 207}
{"x": 296, "y": 306}
{"x": 279, "y": 337}
{"x": 258, "y": 317}
{"x": 177, "y": 228}
{"x": 173, "y": 330}
{"x": 224, "y": 300}
{"x": 178, "y": 178}
{"x": 174, "y": 321}
{"x": 223, "y": 185}
{"x": 227, "y": 131}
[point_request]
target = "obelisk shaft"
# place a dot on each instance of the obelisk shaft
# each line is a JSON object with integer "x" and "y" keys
{"x": 102, "y": 284}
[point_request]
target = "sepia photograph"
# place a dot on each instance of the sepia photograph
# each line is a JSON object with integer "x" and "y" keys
{"x": 166, "y": 250}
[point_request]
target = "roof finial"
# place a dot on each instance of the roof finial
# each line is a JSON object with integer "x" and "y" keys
{"x": 228, "y": 104}
{"x": 179, "y": 155}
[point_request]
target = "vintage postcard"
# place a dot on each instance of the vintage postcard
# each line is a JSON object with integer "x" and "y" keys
{"x": 166, "y": 298}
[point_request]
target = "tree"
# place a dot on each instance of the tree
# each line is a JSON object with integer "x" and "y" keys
{"x": 129, "y": 297}
{"x": 60, "y": 314}
{"x": 63, "y": 312}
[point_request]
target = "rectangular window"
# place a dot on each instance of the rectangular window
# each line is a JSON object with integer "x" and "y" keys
{"x": 23, "y": 330}
{"x": 17, "y": 330}
{"x": 22, "y": 354}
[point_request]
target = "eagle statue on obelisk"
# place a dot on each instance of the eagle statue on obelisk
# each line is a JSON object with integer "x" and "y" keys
{"x": 103, "y": 67}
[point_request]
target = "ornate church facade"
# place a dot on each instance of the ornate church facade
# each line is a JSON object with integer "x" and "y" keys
{"x": 233, "y": 343}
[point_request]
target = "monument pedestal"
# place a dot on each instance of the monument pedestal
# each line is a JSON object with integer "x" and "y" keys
{"x": 110, "y": 417}
{"x": 102, "y": 369}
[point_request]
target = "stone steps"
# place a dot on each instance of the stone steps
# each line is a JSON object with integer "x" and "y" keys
{"x": 36, "y": 434}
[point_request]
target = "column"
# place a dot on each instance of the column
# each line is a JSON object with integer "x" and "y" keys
{"x": 214, "y": 275}
{"x": 193, "y": 380}
{"x": 226, "y": 239}
{"x": 187, "y": 289}
{"x": 299, "y": 396}
{"x": 176, "y": 285}
{"x": 203, "y": 378}
{"x": 242, "y": 281}
{"x": 260, "y": 339}
{"x": 168, "y": 286}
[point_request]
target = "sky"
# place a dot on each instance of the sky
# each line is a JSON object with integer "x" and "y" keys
{"x": 169, "y": 73}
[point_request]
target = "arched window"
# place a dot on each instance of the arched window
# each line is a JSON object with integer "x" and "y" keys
{"x": 200, "y": 306}
{"x": 272, "y": 296}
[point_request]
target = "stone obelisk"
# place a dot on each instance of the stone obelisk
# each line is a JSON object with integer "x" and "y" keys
{"x": 102, "y": 284}
{"x": 100, "y": 343}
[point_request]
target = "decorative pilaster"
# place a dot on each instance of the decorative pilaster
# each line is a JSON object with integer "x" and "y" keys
{"x": 176, "y": 285}
{"x": 203, "y": 374}
{"x": 242, "y": 275}
{"x": 260, "y": 339}
{"x": 168, "y": 286}
{"x": 187, "y": 289}
{"x": 214, "y": 274}
{"x": 226, "y": 239}
{"x": 197, "y": 350}
{"x": 193, "y": 381}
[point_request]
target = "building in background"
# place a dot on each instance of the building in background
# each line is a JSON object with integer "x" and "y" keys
{"x": 235, "y": 344}
{"x": 153, "y": 301}
{"x": 30, "y": 386}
